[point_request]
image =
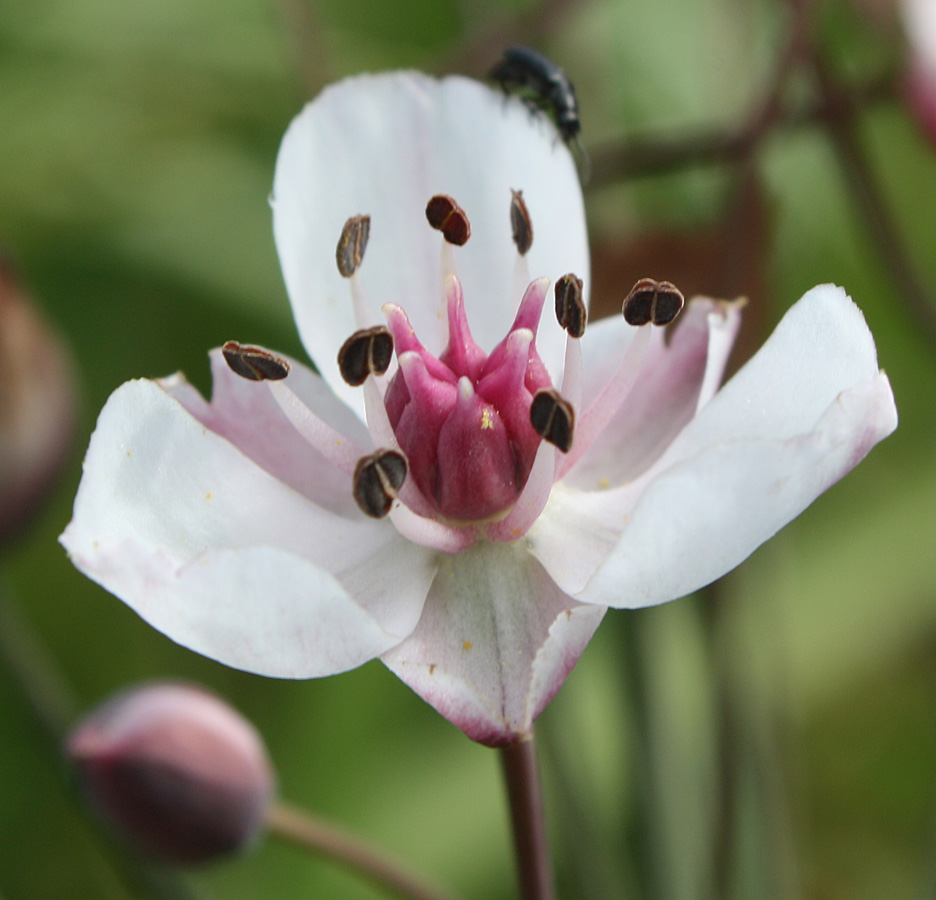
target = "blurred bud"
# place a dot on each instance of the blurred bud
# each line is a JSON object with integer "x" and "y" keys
{"x": 920, "y": 80}
{"x": 37, "y": 406}
{"x": 175, "y": 771}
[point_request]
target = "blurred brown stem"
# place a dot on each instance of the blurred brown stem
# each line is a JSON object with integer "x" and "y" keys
{"x": 841, "y": 119}
{"x": 658, "y": 156}
{"x": 304, "y": 830}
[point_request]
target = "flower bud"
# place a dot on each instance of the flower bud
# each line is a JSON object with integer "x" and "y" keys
{"x": 919, "y": 86}
{"x": 176, "y": 772}
{"x": 37, "y": 406}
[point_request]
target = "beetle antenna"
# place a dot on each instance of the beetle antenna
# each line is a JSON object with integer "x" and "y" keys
{"x": 584, "y": 161}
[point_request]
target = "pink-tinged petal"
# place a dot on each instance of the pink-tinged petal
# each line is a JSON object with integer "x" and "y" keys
{"x": 490, "y": 649}
{"x": 792, "y": 422}
{"x": 821, "y": 348}
{"x": 568, "y": 637}
{"x": 332, "y": 448}
{"x": 680, "y": 374}
{"x": 428, "y": 531}
{"x": 226, "y": 559}
{"x": 599, "y": 411}
{"x": 532, "y": 499}
{"x": 383, "y": 145}
{"x": 246, "y": 413}
{"x": 707, "y": 514}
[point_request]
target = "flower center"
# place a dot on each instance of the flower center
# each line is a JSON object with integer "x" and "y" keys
{"x": 459, "y": 437}
{"x": 463, "y": 419}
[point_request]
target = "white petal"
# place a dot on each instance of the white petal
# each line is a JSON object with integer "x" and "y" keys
{"x": 247, "y": 414}
{"x": 383, "y": 145}
{"x": 229, "y": 561}
{"x": 706, "y": 515}
{"x": 678, "y": 376}
{"x": 577, "y": 532}
{"x": 821, "y": 347}
{"x": 794, "y": 420}
{"x": 496, "y": 640}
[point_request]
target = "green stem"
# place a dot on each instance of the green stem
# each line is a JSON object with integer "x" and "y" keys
{"x": 521, "y": 774}
{"x": 304, "y": 830}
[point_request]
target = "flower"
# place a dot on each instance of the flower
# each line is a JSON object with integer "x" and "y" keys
{"x": 253, "y": 529}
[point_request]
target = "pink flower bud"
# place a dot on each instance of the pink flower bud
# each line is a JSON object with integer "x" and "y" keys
{"x": 175, "y": 771}
{"x": 37, "y": 406}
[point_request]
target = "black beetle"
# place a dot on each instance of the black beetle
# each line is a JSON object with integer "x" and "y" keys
{"x": 522, "y": 67}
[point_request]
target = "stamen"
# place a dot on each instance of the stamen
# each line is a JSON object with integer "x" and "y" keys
{"x": 532, "y": 499}
{"x": 377, "y": 478}
{"x": 426, "y": 529}
{"x": 605, "y": 406}
{"x": 254, "y": 363}
{"x": 520, "y": 223}
{"x": 573, "y": 373}
{"x": 552, "y": 418}
{"x": 445, "y": 215}
{"x": 570, "y": 305}
{"x": 341, "y": 451}
{"x": 653, "y": 301}
{"x": 352, "y": 244}
{"x": 366, "y": 352}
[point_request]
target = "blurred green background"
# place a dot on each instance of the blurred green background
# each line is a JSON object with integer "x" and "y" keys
{"x": 773, "y": 737}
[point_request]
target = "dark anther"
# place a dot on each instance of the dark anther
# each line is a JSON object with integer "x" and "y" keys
{"x": 366, "y": 352}
{"x": 254, "y": 363}
{"x": 520, "y": 223}
{"x": 377, "y": 478}
{"x": 552, "y": 418}
{"x": 352, "y": 244}
{"x": 652, "y": 301}
{"x": 445, "y": 215}
{"x": 570, "y": 305}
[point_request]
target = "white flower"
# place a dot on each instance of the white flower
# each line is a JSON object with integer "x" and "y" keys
{"x": 232, "y": 526}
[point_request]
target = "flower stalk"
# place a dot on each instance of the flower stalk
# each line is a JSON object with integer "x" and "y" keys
{"x": 521, "y": 774}
{"x": 309, "y": 832}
